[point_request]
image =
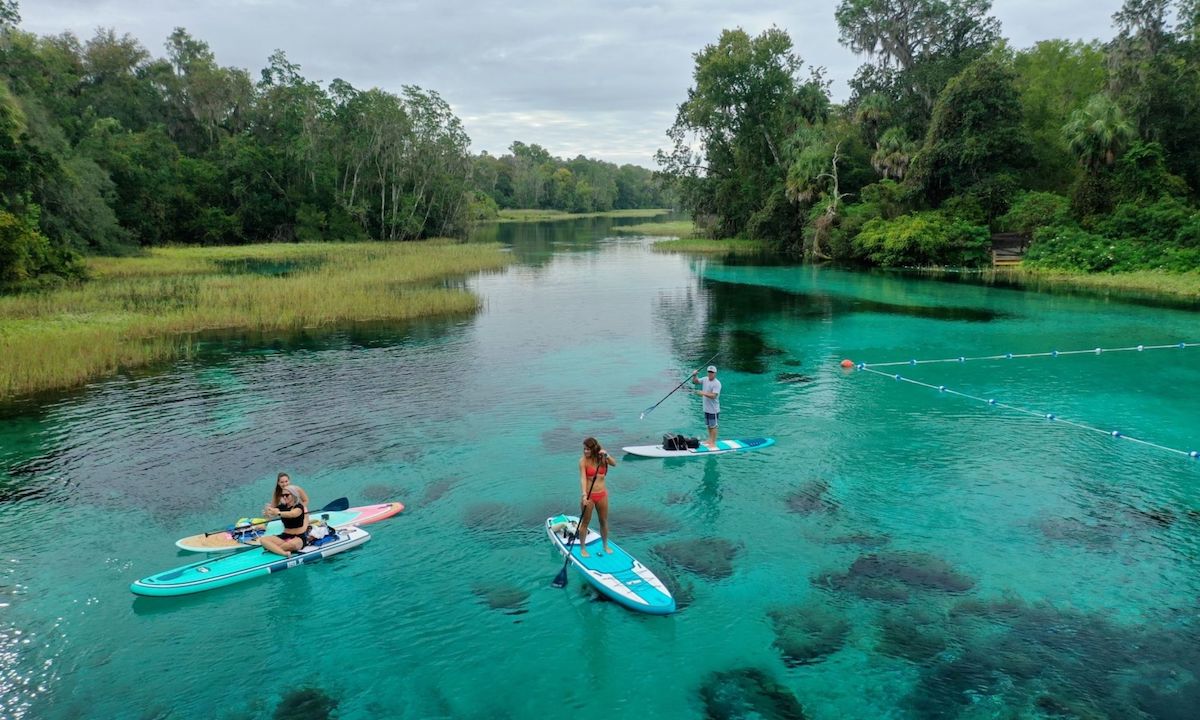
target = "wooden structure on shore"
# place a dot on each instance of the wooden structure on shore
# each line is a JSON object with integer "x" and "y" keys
{"x": 1008, "y": 249}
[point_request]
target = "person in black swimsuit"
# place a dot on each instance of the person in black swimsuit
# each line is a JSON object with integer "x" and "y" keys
{"x": 295, "y": 524}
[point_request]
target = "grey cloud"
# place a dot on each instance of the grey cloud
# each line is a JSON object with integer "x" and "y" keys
{"x": 598, "y": 78}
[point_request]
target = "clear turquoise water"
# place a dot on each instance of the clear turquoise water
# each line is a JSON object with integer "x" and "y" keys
{"x": 1080, "y": 551}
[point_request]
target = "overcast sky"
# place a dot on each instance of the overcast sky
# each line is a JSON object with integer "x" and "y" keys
{"x": 599, "y": 78}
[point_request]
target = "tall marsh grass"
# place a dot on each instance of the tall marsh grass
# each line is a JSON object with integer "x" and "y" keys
{"x": 673, "y": 228}
{"x": 732, "y": 246}
{"x": 1177, "y": 286}
{"x": 135, "y": 311}
{"x": 517, "y": 215}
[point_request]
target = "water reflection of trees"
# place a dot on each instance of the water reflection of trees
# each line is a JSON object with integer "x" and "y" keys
{"x": 717, "y": 315}
{"x": 535, "y": 243}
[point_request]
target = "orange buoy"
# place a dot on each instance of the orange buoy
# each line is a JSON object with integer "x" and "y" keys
{"x": 847, "y": 364}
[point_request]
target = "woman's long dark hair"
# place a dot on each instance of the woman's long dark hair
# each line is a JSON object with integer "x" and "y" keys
{"x": 276, "y": 496}
{"x": 593, "y": 450}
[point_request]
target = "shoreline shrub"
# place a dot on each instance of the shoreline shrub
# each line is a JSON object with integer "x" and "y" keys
{"x": 929, "y": 238}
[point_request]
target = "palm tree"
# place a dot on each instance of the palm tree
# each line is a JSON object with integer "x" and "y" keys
{"x": 1098, "y": 133}
{"x": 872, "y": 113}
{"x": 893, "y": 153}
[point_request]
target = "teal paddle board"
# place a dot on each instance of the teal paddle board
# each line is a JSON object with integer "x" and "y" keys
{"x": 615, "y": 574}
{"x": 252, "y": 562}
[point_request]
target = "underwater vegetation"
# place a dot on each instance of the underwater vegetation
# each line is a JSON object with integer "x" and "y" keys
{"x": 1025, "y": 659}
{"x": 709, "y": 557}
{"x": 509, "y": 598}
{"x": 438, "y": 488}
{"x": 681, "y": 589}
{"x": 640, "y": 521}
{"x": 309, "y": 703}
{"x": 791, "y": 377}
{"x": 811, "y": 497}
{"x": 379, "y": 493}
{"x": 748, "y": 694}
{"x": 893, "y": 576}
{"x": 805, "y": 634}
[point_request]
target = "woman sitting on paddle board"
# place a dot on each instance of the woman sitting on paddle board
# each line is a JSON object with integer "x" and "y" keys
{"x": 295, "y": 524}
{"x": 593, "y": 468}
{"x": 281, "y": 481}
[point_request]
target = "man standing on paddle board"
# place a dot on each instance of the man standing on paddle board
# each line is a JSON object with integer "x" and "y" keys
{"x": 710, "y": 390}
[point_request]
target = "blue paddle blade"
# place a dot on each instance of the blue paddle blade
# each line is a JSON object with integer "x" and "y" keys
{"x": 560, "y": 581}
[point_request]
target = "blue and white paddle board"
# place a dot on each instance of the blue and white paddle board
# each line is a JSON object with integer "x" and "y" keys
{"x": 616, "y": 574}
{"x": 222, "y": 570}
{"x": 723, "y": 447}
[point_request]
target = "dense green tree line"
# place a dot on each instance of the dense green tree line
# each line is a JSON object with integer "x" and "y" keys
{"x": 105, "y": 148}
{"x": 1092, "y": 149}
{"x": 529, "y": 177}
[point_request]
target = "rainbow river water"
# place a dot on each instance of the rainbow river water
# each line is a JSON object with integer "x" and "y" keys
{"x": 905, "y": 550}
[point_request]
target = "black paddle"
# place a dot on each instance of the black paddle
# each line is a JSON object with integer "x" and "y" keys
{"x": 560, "y": 580}
{"x": 648, "y": 410}
{"x": 335, "y": 506}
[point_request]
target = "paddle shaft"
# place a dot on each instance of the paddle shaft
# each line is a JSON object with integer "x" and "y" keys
{"x": 650, "y": 409}
{"x": 562, "y": 574}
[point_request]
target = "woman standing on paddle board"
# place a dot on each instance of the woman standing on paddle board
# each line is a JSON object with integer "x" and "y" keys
{"x": 593, "y": 469}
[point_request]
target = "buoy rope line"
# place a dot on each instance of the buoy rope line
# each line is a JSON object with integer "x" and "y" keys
{"x": 1052, "y": 353}
{"x": 870, "y": 367}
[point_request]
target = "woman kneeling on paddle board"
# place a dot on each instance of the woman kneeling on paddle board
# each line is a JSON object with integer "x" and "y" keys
{"x": 295, "y": 524}
{"x": 593, "y": 468}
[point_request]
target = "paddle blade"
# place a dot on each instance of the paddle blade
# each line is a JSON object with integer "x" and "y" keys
{"x": 560, "y": 581}
{"x": 337, "y": 505}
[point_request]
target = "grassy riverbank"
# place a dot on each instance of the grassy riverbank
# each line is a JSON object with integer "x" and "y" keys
{"x": 1152, "y": 283}
{"x": 544, "y": 215}
{"x": 734, "y": 246}
{"x": 673, "y": 228}
{"x": 146, "y": 309}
